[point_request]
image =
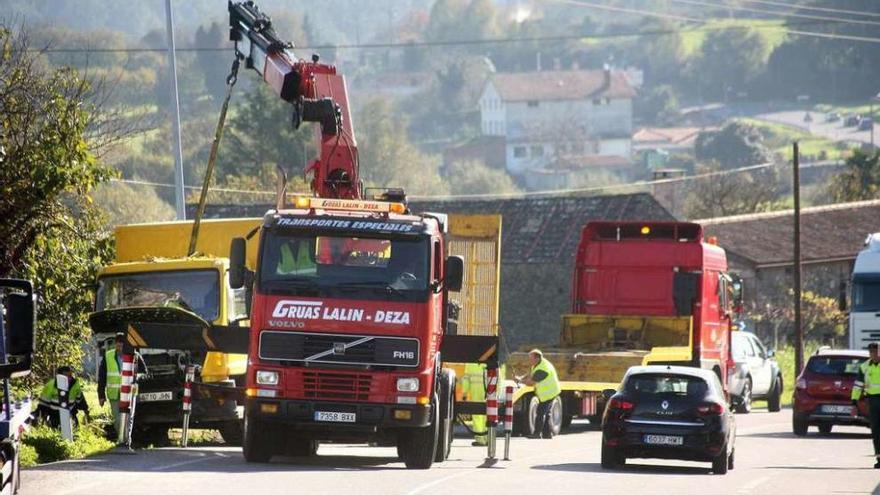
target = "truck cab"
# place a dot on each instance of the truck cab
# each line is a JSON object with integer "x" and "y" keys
{"x": 864, "y": 316}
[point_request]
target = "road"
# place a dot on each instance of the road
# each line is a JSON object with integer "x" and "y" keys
{"x": 834, "y": 131}
{"x": 769, "y": 459}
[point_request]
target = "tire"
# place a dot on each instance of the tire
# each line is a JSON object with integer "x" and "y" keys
{"x": 447, "y": 396}
{"x": 799, "y": 424}
{"x": 720, "y": 463}
{"x": 825, "y": 428}
{"x": 555, "y": 423}
{"x": 232, "y": 433}
{"x": 730, "y": 460}
{"x": 745, "y": 402}
{"x": 524, "y": 422}
{"x": 566, "y": 420}
{"x": 611, "y": 458}
{"x": 774, "y": 401}
{"x": 156, "y": 436}
{"x": 418, "y": 446}
{"x": 257, "y": 443}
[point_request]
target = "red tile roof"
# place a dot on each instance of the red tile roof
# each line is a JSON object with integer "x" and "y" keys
{"x": 561, "y": 85}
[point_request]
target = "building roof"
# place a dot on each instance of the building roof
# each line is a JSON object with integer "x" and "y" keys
{"x": 562, "y": 85}
{"x": 677, "y": 137}
{"x": 535, "y": 229}
{"x": 828, "y": 233}
{"x": 487, "y": 149}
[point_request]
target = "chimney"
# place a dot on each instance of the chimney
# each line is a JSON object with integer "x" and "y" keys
{"x": 606, "y": 81}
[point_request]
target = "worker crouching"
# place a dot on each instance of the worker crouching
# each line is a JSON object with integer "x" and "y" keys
{"x": 52, "y": 400}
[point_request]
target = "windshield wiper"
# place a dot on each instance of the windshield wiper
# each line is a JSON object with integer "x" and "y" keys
{"x": 372, "y": 284}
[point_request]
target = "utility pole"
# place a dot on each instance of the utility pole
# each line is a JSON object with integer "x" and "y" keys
{"x": 179, "y": 197}
{"x": 798, "y": 321}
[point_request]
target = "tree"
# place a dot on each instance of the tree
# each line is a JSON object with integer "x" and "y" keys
{"x": 729, "y": 60}
{"x": 822, "y": 319}
{"x": 124, "y": 204}
{"x": 213, "y": 66}
{"x": 860, "y": 180}
{"x": 474, "y": 177}
{"x": 735, "y": 145}
{"x": 659, "y": 105}
{"x": 731, "y": 193}
{"x": 49, "y": 231}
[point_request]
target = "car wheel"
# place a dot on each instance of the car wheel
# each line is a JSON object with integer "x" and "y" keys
{"x": 745, "y": 401}
{"x": 799, "y": 424}
{"x": 825, "y": 428}
{"x": 720, "y": 463}
{"x": 730, "y": 459}
{"x": 611, "y": 458}
{"x": 774, "y": 401}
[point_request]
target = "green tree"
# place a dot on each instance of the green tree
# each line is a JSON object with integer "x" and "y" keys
{"x": 213, "y": 65}
{"x": 725, "y": 193}
{"x": 124, "y": 203}
{"x": 735, "y": 145}
{"x": 658, "y": 105}
{"x": 730, "y": 60}
{"x": 49, "y": 232}
{"x": 860, "y": 180}
{"x": 474, "y": 177}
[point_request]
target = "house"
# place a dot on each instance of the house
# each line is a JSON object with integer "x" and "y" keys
{"x": 760, "y": 248}
{"x": 539, "y": 238}
{"x": 671, "y": 139}
{"x": 550, "y": 120}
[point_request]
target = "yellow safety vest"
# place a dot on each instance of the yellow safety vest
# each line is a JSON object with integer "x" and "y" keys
{"x": 50, "y": 395}
{"x": 114, "y": 378}
{"x": 549, "y": 387}
{"x": 472, "y": 382}
{"x": 869, "y": 381}
{"x": 301, "y": 264}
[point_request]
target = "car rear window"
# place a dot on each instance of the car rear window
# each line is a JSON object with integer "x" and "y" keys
{"x": 834, "y": 365}
{"x": 654, "y": 384}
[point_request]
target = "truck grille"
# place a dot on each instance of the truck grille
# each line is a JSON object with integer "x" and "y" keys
{"x": 338, "y": 386}
{"x": 362, "y": 350}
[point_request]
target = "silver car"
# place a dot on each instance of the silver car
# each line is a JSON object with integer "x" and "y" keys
{"x": 755, "y": 374}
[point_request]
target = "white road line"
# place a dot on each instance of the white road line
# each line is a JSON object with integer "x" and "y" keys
{"x": 748, "y": 487}
{"x": 182, "y": 463}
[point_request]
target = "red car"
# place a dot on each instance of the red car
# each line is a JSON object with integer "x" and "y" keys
{"x": 822, "y": 392}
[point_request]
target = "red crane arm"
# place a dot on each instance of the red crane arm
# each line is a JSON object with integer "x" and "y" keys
{"x": 316, "y": 91}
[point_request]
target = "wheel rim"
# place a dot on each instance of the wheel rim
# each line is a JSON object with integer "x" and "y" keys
{"x": 556, "y": 414}
{"x": 747, "y": 397}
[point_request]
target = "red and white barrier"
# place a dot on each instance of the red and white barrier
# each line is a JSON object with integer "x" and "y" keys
{"x": 187, "y": 402}
{"x": 492, "y": 396}
{"x": 125, "y": 399}
{"x": 508, "y": 420}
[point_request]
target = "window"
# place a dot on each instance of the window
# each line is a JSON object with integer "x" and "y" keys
{"x": 197, "y": 291}
{"x": 537, "y": 150}
{"x": 666, "y": 385}
{"x": 532, "y": 103}
{"x": 759, "y": 348}
{"x": 835, "y": 365}
{"x": 519, "y": 151}
{"x": 866, "y": 293}
{"x": 438, "y": 261}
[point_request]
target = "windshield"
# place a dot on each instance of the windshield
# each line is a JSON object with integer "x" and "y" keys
{"x": 681, "y": 385}
{"x": 193, "y": 290}
{"x": 866, "y": 295}
{"x": 345, "y": 266}
{"x": 837, "y": 365}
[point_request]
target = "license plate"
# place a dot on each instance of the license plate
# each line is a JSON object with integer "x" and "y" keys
{"x": 155, "y": 396}
{"x": 835, "y": 409}
{"x": 335, "y": 417}
{"x": 664, "y": 440}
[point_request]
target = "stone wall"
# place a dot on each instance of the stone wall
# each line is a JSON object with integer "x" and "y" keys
{"x": 534, "y": 296}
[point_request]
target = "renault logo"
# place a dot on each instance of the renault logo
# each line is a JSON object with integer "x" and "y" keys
{"x": 664, "y": 405}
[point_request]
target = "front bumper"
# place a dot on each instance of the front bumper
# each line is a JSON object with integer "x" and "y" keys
{"x": 300, "y": 415}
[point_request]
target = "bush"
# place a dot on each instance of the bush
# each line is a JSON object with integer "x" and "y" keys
{"x": 43, "y": 444}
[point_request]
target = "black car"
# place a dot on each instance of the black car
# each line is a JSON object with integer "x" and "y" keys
{"x": 669, "y": 412}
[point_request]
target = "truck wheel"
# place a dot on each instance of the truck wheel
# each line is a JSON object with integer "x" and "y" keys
{"x": 556, "y": 416}
{"x": 418, "y": 446}
{"x": 745, "y": 401}
{"x": 799, "y": 424}
{"x": 774, "y": 401}
{"x": 447, "y": 396}
{"x": 156, "y": 436}
{"x": 530, "y": 415}
{"x": 232, "y": 432}
{"x": 300, "y": 447}
{"x": 257, "y": 444}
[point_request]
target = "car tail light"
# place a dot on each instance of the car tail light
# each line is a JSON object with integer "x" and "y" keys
{"x": 710, "y": 409}
{"x": 621, "y": 405}
{"x": 801, "y": 384}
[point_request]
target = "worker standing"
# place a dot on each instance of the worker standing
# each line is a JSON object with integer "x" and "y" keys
{"x": 544, "y": 379}
{"x": 474, "y": 387}
{"x": 110, "y": 379}
{"x": 869, "y": 383}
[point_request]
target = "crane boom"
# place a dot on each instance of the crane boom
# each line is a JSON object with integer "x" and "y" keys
{"x": 316, "y": 91}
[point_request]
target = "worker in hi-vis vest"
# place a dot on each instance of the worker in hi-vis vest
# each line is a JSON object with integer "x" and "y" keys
{"x": 546, "y": 384}
{"x": 868, "y": 383}
{"x": 474, "y": 387}
{"x": 50, "y": 398}
{"x": 295, "y": 258}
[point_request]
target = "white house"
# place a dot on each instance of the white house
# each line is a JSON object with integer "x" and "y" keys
{"x": 559, "y": 122}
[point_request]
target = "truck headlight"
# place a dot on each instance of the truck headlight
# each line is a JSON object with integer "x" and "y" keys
{"x": 407, "y": 384}
{"x": 267, "y": 377}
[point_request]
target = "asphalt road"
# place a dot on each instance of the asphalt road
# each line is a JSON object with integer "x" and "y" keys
{"x": 834, "y": 131}
{"x": 769, "y": 459}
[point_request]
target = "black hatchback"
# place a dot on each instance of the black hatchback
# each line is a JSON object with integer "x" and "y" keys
{"x": 669, "y": 412}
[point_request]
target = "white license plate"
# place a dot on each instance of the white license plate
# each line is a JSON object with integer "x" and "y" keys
{"x": 664, "y": 440}
{"x": 835, "y": 409}
{"x": 155, "y": 396}
{"x": 335, "y": 417}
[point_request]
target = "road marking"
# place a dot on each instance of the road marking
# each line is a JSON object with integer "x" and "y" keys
{"x": 203, "y": 458}
{"x": 748, "y": 487}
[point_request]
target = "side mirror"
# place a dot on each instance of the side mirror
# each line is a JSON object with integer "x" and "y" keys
{"x": 771, "y": 353}
{"x": 237, "y": 257}
{"x": 19, "y": 325}
{"x": 454, "y": 273}
{"x": 608, "y": 393}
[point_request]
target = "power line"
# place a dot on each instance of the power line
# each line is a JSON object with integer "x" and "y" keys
{"x": 814, "y": 8}
{"x": 213, "y": 189}
{"x": 778, "y": 13}
{"x": 640, "y": 12}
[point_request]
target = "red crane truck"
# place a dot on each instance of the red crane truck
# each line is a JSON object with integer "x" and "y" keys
{"x": 642, "y": 293}
{"x": 351, "y": 316}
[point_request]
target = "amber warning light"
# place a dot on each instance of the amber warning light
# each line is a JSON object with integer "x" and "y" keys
{"x": 646, "y": 230}
{"x": 304, "y": 202}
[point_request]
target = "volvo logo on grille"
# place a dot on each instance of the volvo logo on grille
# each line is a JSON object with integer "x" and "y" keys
{"x": 338, "y": 348}
{"x": 664, "y": 405}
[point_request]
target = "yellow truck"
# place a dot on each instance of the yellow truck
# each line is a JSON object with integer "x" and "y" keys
{"x": 151, "y": 270}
